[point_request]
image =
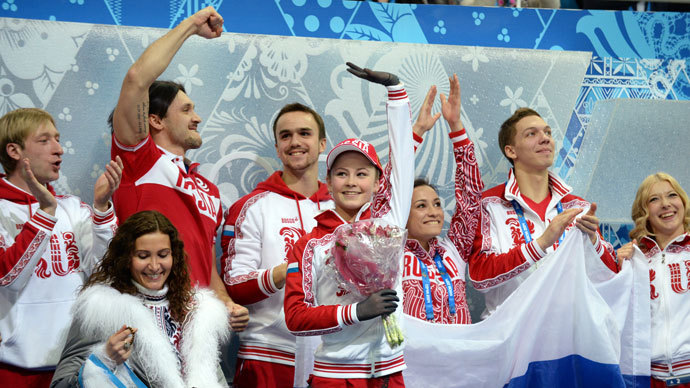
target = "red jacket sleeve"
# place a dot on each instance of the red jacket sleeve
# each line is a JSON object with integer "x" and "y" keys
{"x": 606, "y": 253}
{"x": 302, "y": 316}
{"x": 468, "y": 194}
{"x": 488, "y": 268}
{"x": 18, "y": 260}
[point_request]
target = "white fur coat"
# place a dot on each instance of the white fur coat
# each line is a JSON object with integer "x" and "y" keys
{"x": 102, "y": 310}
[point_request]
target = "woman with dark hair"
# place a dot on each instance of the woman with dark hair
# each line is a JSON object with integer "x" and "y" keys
{"x": 662, "y": 225}
{"x": 138, "y": 307}
{"x": 434, "y": 270}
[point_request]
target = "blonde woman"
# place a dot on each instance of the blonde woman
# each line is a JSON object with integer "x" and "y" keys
{"x": 662, "y": 222}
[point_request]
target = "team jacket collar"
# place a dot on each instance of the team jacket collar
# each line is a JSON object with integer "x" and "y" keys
{"x": 275, "y": 184}
{"x": 14, "y": 194}
{"x": 559, "y": 188}
{"x": 329, "y": 219}
{"x": 180, "y": 161}
{"x": 434, "y": 248}
{"x": 648, "y": 244}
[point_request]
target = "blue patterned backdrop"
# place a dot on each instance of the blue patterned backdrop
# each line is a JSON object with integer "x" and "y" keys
{"x": 634, "y": 55}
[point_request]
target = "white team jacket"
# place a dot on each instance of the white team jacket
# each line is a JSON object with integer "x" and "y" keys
{"x": 669, "y": 275}
{"x": 260, "y": 229}
{"x": 45, "y": 260}
{"x": 501, "y": 258}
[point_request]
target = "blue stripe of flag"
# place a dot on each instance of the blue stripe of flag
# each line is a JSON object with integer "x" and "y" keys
{"x": 292, "y": 268}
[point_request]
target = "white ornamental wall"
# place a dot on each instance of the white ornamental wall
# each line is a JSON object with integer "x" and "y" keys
{"x": 239, "y": 82}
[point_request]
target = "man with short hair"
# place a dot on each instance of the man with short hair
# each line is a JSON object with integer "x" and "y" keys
{"x": 523, "y": 220}
{"x": 49, "y": 245}
{"x": 260, "y": 228}
{"x": 154, "y": 125}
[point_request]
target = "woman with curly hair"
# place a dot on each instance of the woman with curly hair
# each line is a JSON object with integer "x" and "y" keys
{"x": 138, "y": 307}
{"x": 662, "y": 222}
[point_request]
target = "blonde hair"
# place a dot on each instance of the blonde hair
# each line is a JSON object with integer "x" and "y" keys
{"x": 15, "y": 127}
{"x": 640, "y": 211}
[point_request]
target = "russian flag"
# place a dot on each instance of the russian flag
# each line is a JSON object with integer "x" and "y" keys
{"x": 572, "y": 323}
{"x": 229, "y": 230}
{"x": 292, "y": 268}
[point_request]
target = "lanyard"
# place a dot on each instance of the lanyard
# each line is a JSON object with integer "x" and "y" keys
{"x": 113, "y": 379}
{"x": 426, "y": 285}
{"x": 523, "y": 224}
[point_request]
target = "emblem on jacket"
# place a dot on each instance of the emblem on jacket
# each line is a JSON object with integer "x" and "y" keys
{"x": 62, "y": 261}
{"x": 676, "y": 279}
{"x": 516, "y": 232}
{"x": 290, "y": 236}
{"x": 652, "y": 289}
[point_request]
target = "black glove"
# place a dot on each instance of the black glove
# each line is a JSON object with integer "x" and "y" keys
{"x": 379, "y": 77}
{"x": 378, "y": 303}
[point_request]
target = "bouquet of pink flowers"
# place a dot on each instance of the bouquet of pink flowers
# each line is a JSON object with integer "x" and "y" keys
{"x": 367, "y": 257}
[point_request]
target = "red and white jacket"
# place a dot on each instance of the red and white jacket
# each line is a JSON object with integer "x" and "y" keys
{"x": 156, "y": 179}
{"x": 260, "y": 228}
{"x": 44, "y": 260}
{"x": 669, "y": 276}
{"x": 454, "y": 249}
{"x": 501, "y": 260}
{"x": 315, "y": 304}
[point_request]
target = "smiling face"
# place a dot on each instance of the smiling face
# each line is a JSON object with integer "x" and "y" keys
{"x": 152, "y": 260}
{"x": 533, "y": 147}
{"x": 181, "y": 122}
{"x": 426, "y": 215}
{"x": 297, "y": 141}
{"x": 42, "y": 148}
{"x": 352, "y": 180}
{"x": 666, "y": 211}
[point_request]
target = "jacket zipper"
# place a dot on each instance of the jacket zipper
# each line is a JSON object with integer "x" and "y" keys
{"x": 372, "y": 353}
{"x": 666, "y": 318}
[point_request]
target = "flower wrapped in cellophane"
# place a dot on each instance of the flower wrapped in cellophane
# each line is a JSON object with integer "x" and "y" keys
{"x": 366, "y": 258}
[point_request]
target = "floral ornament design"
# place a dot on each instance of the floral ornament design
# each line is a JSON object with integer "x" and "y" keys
{"x": 188, "y": 78}
{"x": 282, "y": 61}
{"x": 9, "y": 100}
{"x": 475, "y": 55}
{"x": 480, "y": 146}
{"x": 513, "y": 99}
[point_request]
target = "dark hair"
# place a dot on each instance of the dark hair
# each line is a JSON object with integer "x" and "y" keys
{"x": 114, "y": 270}
{"x": 423, "y": 182}
{"x": 297, "y": 107}
{"x": 161, "y": 95}
{"x": 506, "y": 136}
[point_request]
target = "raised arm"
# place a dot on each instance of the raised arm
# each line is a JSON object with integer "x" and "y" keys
{"x": 392, "y": 200}
{"x": 130, "y": 118}
{"x": 468, "y": 180}
{"x": 425, "y": 119}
